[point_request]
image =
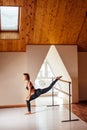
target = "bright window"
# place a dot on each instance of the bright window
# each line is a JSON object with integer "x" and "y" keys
{"x": 9, "y": 18}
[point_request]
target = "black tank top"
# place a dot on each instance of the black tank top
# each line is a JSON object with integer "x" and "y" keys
{"x": 32, "y": 87}
{"x": 28, "y": 88}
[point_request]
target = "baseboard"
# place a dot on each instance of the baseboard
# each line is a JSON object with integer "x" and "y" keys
{"x": 13, "y": 106}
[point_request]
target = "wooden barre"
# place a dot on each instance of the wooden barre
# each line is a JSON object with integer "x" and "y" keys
{"x": 64, "y": 81}
{"x": 63, "y": 91}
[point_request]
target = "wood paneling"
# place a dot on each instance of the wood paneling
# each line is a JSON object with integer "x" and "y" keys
{"x": 80, "y": 110}
{"x": 48, "y": 22}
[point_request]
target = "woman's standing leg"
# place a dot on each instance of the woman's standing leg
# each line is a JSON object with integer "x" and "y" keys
{"x": 28, "y": 106}
{"x": 34, "y": 96}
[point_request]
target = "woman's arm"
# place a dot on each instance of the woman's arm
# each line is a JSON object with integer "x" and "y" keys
{"x": 29, "y": 91}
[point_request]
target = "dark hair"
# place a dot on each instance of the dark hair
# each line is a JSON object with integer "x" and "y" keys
{"x": 27, "y": 76}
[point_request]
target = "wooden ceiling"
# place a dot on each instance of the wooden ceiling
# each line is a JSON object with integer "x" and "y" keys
{"x": 62, "y": 22}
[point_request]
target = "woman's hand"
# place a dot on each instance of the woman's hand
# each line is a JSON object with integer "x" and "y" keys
{"x": 27, "y": 98}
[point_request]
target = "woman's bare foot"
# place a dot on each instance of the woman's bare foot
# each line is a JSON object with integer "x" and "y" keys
{"x": 59, "y": 77}
{"x": 28, "y": 113}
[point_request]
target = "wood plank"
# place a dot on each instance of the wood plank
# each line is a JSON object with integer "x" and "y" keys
{"x": 80, "y": 110}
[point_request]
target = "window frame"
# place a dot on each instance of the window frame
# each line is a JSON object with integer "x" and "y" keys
{"x": 18, "y": 20}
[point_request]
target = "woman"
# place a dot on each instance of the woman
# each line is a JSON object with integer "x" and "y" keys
{"x": 34, "y": 93}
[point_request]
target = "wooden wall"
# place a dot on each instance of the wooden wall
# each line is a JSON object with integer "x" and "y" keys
{"x": 47, "y": 22}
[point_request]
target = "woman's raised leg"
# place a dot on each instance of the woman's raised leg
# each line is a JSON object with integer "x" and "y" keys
{"x": 50, "y": 86}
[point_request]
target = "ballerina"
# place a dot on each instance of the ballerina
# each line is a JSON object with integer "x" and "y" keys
{"x": 35, "y": 93}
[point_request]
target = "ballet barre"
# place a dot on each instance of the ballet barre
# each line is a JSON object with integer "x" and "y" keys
{"x": 62, "y": 91}
{"x": 69, "y": 94}
{"x": 56, "y": 89}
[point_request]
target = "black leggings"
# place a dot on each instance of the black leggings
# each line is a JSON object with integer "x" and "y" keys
{"x": 38, "y": 92}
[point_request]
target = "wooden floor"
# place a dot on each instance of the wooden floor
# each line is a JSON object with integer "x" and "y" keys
{"x": 80, "y": 110}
